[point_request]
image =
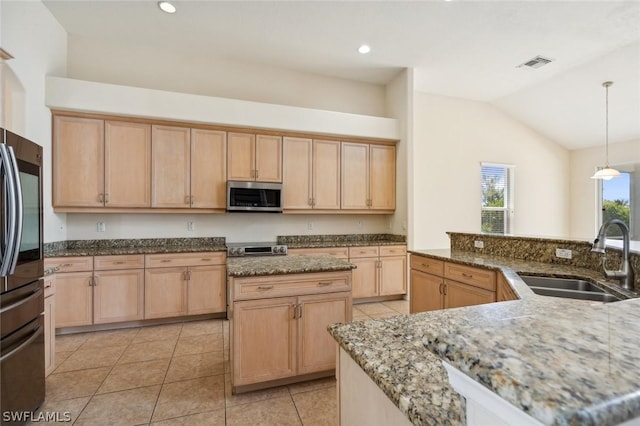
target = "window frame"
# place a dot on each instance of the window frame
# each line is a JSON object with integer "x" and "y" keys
{"x": 508, "y": 208}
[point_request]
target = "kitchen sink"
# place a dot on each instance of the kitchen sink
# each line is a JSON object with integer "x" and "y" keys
{"x": 571, "y": 288}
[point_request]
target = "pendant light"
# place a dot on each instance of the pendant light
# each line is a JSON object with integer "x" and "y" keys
{"x": 607, "y": 173}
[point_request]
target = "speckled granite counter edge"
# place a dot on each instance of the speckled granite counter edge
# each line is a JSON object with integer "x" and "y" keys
{"x": 341, "y": 240}
{"x": 285, "y": 265}
{"x": 133, "y": 246}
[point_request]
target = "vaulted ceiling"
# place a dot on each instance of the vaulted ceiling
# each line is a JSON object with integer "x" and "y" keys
{"x": 467, "y": 49}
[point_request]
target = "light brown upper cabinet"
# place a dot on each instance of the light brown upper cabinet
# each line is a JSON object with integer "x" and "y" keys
{"x": 368, "y": 176}
{"x": 188, "y": 169}
{"x": 101, "y": 163}
{"x": 311, "y": 174}
{"x": 254, "y": 157}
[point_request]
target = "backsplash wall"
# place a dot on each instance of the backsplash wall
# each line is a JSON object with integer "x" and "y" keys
{"x": 234, "y": 227}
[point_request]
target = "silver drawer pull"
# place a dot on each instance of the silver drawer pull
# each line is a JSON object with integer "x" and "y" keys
{"x": 325, "y": 283}
{"x": 265, "y": 287}
{"x": 206, "y": 260}
{"x": 467, "y": 275}
{"x": 165, "y": 261}
{"x": 65, "y": 265}
{"x": 119, "y": 262}
{"x": 426, "y": 265}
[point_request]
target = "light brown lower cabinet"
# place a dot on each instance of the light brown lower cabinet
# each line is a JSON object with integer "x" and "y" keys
{"x": 195, "y": 285}
{"x": 276, "y": 338}
{"x": 505, "y": 292}
{"x": 118, "y": 296}
{"x": 74, "y": 292}
{"x": 380, "y": 270}
{"x": 436, "y": 284}
{"x": 49, "y": 324}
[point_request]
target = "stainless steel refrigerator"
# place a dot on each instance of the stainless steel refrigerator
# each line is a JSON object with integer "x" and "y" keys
{"x": 21, "y": 288}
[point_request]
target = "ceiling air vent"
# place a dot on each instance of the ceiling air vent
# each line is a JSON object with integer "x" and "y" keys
{"x": 536, "y": 62}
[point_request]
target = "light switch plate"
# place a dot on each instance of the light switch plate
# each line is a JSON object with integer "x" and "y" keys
{"x": 564, "y": 253}
{"x": 191, "y": 226}
{"x": 478, "y": 244}
{"x": 101, "y": 227}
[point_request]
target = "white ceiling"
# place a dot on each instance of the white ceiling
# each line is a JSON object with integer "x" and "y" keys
{"x": 467, "y": 49}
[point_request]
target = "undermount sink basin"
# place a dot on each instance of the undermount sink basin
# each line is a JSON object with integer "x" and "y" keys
{"x": 571, "y": 288}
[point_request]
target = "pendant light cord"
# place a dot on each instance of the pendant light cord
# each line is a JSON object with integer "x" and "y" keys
{"x": 606, "y": 85}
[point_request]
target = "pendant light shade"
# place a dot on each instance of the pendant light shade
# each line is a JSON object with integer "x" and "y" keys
{"x": 607, "y": 173}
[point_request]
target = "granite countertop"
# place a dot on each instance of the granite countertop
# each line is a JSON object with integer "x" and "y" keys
{"x": 134, "y": 246}
{"x": 562, "y": 361}
{"x": 345, "y": 240}
{"x": 281, "y": 265}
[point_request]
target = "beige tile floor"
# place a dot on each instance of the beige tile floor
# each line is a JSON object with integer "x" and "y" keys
{"x": 178, "y": 374}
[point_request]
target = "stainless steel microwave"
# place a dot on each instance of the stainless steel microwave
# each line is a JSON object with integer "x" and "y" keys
{"x": 254, "y": 196}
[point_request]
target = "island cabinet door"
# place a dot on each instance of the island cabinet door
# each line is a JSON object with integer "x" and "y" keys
{"x": 264, "y": 340}
{"x": 317, "y": 349}
{"x": 458, "y": 295}
{"x": 426, "y": 292}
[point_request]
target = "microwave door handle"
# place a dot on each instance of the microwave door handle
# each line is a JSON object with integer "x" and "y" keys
{"x": 9, "y": 207}
{"x": 19, "y": 210}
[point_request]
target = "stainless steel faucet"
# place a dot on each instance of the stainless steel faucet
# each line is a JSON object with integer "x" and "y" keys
{"x": 625, "y": 274}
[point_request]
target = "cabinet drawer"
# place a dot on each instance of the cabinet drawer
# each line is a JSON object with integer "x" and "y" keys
{"x": 371, "y": 251}
{"x": 339, "y": 252}
{"x": 103, "y": 263}
{"x": 393, "y": 251}
{"x": 428, "y": 265}
{"x": 72, "y": 264}
{"x": 184, "y": 259}
{"x": 478, "y": 277}
{"x": 49, "y": 286}
{"x": 290, "y": 285}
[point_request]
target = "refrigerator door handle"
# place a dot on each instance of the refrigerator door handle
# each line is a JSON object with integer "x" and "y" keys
{"x": 22, "y": 302}
{"x": 10, "y": 211}
{"x": 19, "y": 209}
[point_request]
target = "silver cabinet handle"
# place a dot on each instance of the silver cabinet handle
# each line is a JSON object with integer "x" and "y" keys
{"x": 95, "y": 281}
{"x": 165, "y": 261}
{"x": 106, "y": 198}
{"x": 118, "y": 262}
{"x": 467, "y": 275}
{"x": 206, "y": 259}
{"x": 265, "y": 287}
{"x": 324, "y": 283}
{"x": 187, "y": 199}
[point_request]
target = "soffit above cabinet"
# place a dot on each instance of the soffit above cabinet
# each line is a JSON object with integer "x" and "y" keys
{"x": 86, "y": 96}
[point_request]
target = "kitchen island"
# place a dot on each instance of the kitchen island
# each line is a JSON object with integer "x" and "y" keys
{"x": 279, "y": 310}
{"x": 558, "y": 361}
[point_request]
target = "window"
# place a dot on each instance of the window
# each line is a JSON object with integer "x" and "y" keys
{"x": 496, "y": 185}
{"x": 617, "y": 202}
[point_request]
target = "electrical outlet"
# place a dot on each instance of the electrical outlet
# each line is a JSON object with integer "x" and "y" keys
{"x": 309, "y": 226}
{"x": 101, "y": 227}
{"x": 478, "y": 244}
{"x": 563, "y": 253}
{"x": 191, "y": 226}
{"x": 359, "y": 224}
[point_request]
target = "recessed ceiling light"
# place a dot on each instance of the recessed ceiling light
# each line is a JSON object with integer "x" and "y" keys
{"x": 364, "y": 49}
{"x": 165, "y": 6}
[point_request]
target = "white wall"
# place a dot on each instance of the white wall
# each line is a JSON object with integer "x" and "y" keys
{"x": 584, "y": 214}
{"x": 39, "y": 47}
{"x": 204, "y": 74}
{"x": 236, "y": 227}
{"x": 399, "y": 105}
{"x": 451, "y": 137}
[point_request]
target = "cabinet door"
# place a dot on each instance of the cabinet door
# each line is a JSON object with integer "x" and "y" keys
{"x": 458, "y": 295}
{"x": 382, "y": 177}
{"x": 316, "y": 347}
{"x": 393, "y": 275}
{"x": 326, "y": 175}
{"x": 127, "y": 164}
{"x": 49, "y": 334}
{"x": 364, "y": 280}
{"x": 425, "y": 292}
{"x": 355, "y": 176}
{"x": 296, "y": 173}
{"x": 208, "y": 169}
{"x": 206, "y": 290}
{"x": 74, "y": 292}
{"x": 268, "y": 158}
{"x": 264, "y": 340}
{"x": 118, "y": 296}
{"x": 240, "y": 156}
{"x": 505, "y": 292}
{"x": 165, "y": 292}
{"x": 78, "y": 162}
{"x": 170, "y": 167}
